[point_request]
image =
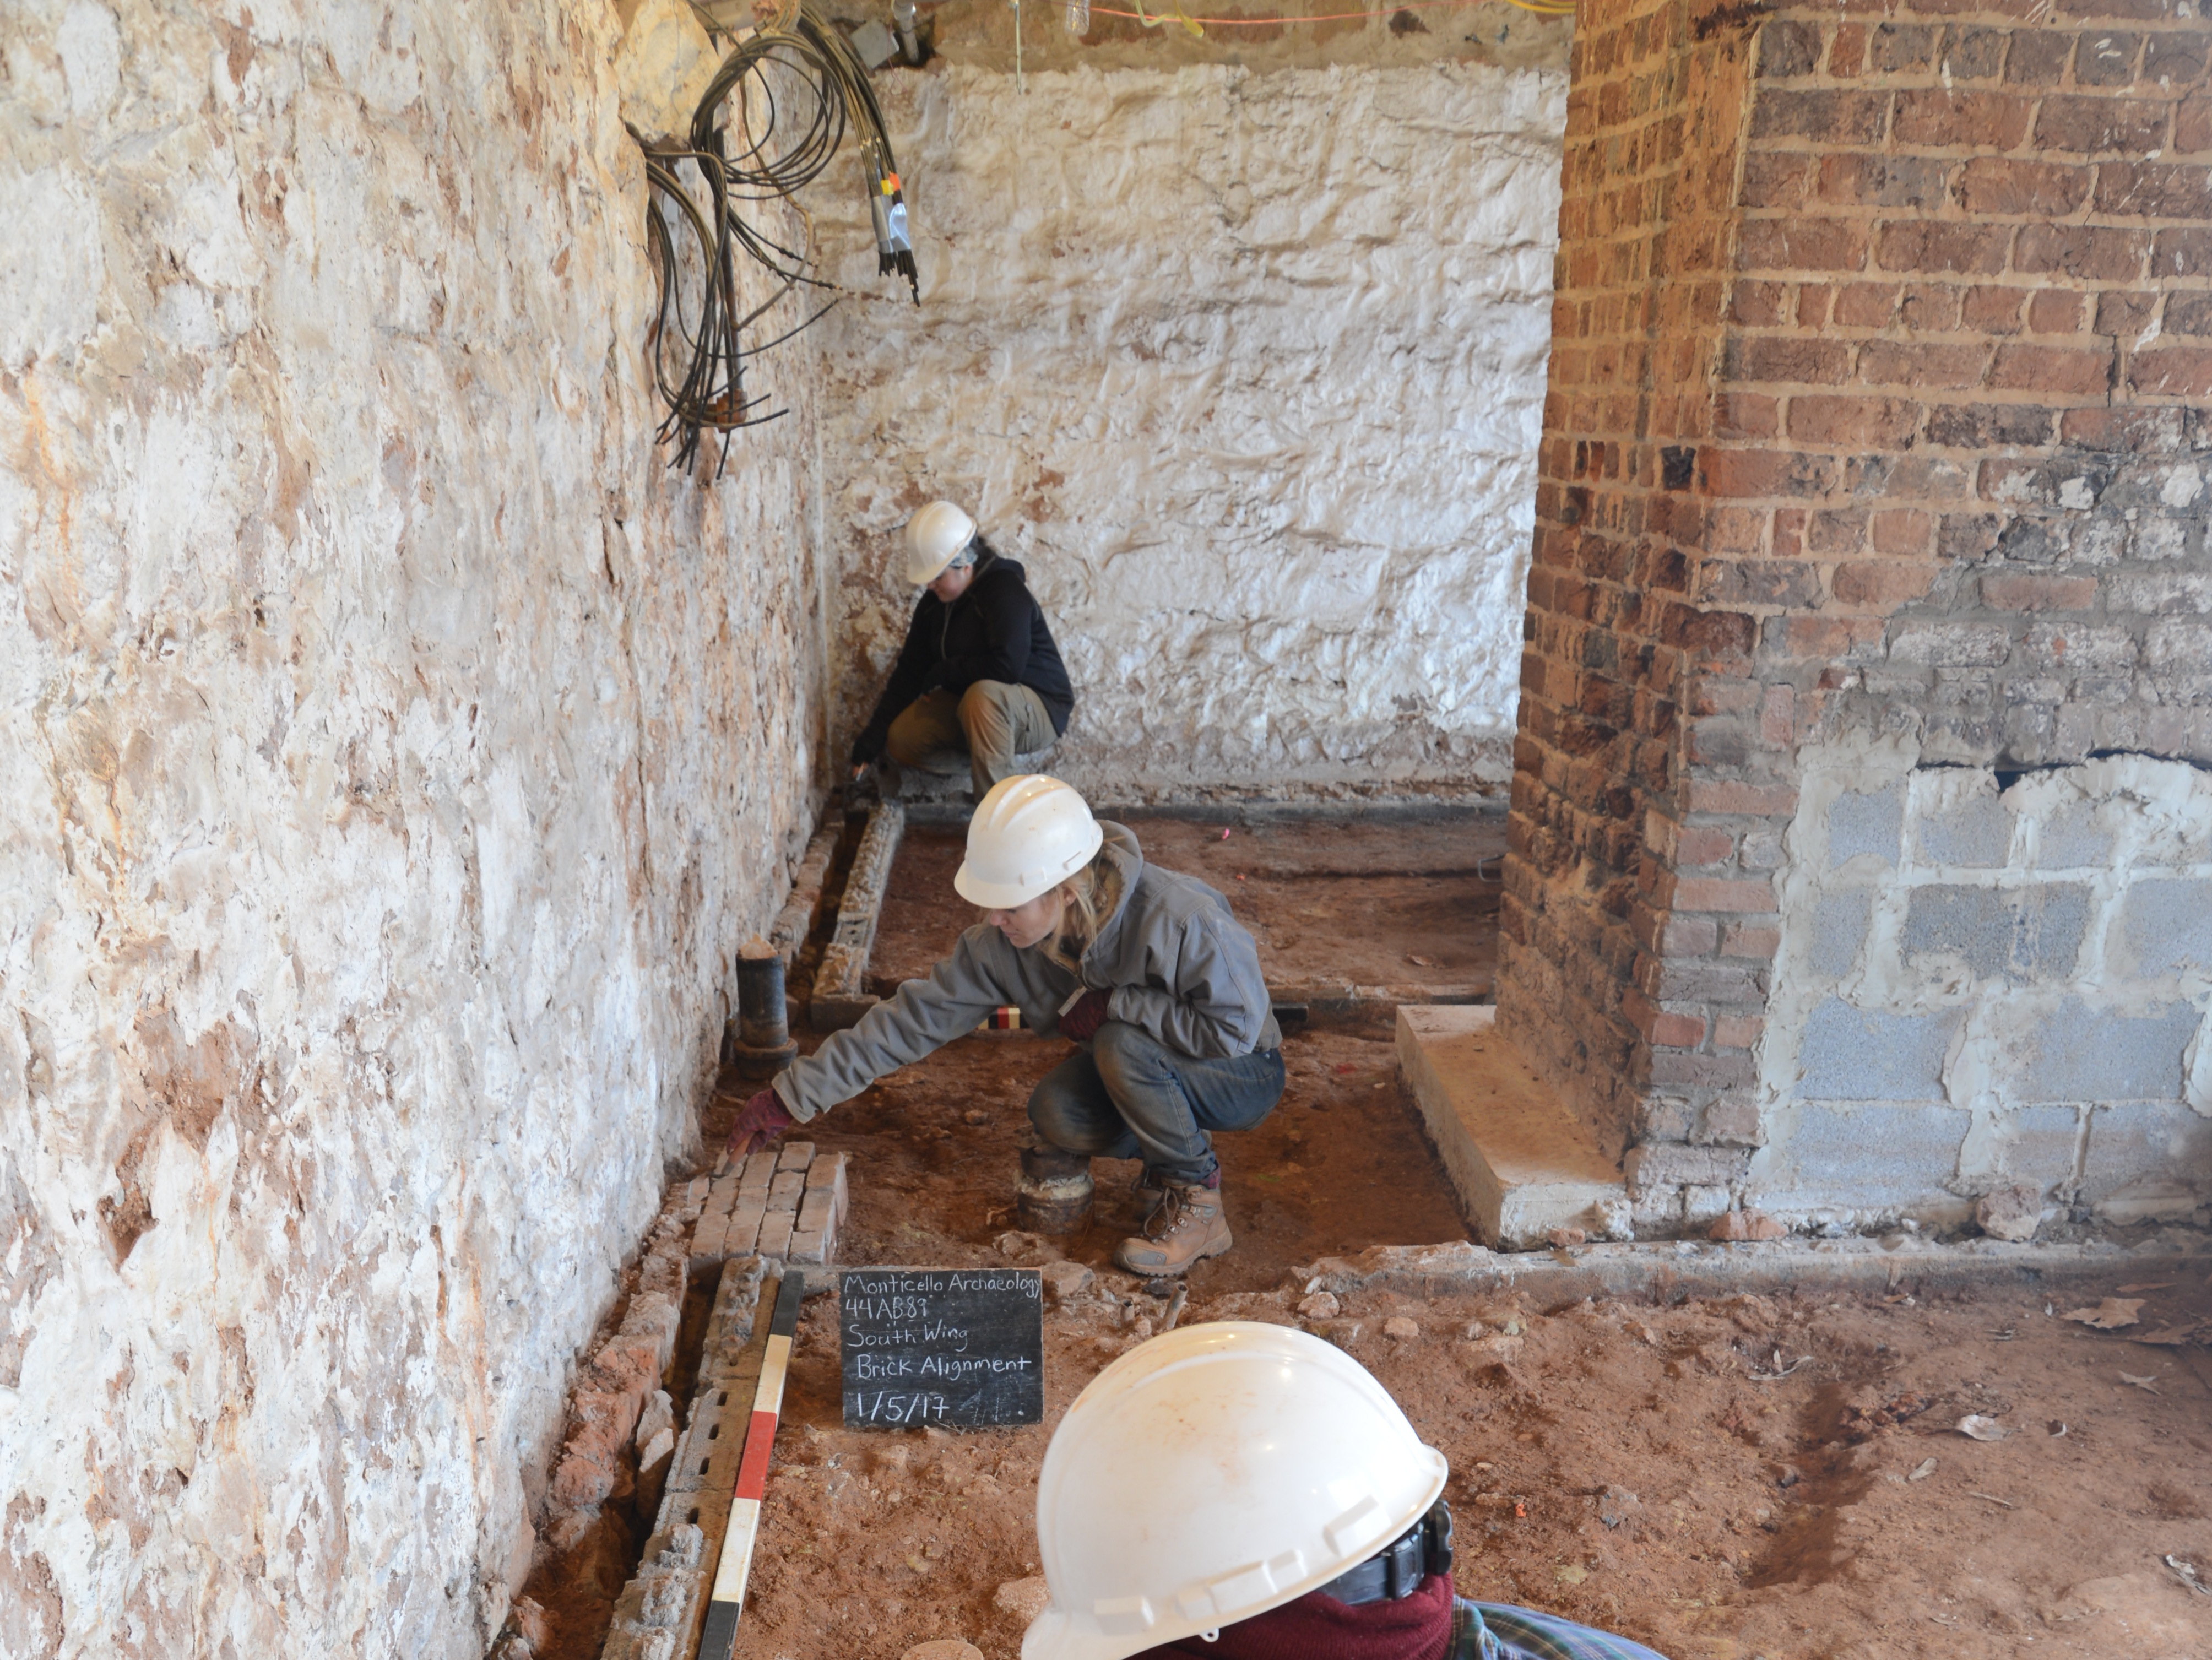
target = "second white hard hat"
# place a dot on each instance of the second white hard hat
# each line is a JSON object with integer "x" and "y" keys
{"x": 934, "y": 537}
{"x": 1210, "y": 1475}
{"x": 1031, "y": 833}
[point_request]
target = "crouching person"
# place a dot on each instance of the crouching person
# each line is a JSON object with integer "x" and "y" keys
{"x": 979, "y": 679}
{"x": 1147, "y": 971}
{"x": 1244, "y": 1492}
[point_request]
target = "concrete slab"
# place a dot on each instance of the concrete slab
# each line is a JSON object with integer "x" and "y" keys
{"x": 1520, "y": 1163}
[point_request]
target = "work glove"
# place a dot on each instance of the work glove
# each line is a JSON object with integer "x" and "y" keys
{"x": 1082, "y": 1022}
{"x": 762, "y": 1119}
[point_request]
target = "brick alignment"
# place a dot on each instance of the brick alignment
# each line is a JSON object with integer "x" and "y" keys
{"x": 1882, "y": 352}
{"x": 787, "y": 1203}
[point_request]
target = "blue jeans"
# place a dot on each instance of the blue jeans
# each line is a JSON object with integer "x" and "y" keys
{"x": 1129, "y": 1096}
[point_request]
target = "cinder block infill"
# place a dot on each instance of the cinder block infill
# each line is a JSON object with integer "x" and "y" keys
{"x": 1521, "y": 1163}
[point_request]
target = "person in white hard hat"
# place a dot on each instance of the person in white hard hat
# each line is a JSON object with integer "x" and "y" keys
{"x": 1147, "y": 971}
{"x": 979, "y": 680}
{"x": 1243, "y": 1492}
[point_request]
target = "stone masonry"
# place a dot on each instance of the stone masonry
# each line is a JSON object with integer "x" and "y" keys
{"x": 394, "y": 754}
{"x": 1262, "y": 433}
{"x": 1883, "y": 339}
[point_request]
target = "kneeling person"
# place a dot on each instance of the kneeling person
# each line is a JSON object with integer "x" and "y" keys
{"x": 979, "y": 680}
{"x": 1236, "y": 1491}
{"x": 1149, "y": 973}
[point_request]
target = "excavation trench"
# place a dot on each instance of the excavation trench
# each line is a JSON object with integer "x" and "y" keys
{"x": 1635, "y": 1461}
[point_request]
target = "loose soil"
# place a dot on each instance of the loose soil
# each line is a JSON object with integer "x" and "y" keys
{"x": 1340, "y": 1165}
{"x": 1387, "y": 904}
{"x": 1751, "y": 1519}
{"x": 1634, "y": 1465}
{"x": 1621, "y": 1464}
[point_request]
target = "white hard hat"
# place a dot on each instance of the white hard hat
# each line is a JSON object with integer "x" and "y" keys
{"x": 1210, "y": 1475}
{"x": 1031, "y": 833}
{"x": 935, "y": 536}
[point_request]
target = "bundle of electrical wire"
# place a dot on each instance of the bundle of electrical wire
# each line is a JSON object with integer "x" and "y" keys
{"x": 798, "y": 86}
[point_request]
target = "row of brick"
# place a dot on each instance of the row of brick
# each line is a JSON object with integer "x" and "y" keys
{"x": 2160, "y": 473}
{"x": 1925, "y": 245}
{"x": 1910, "y": 120}
{"x": 615, "y": 1386}
{"x": 1855, "y": 422}
{"x": 1976, "y": 186}
{"x": 2022, "y": 243}
{"x": 787, "y": 1203}
{"x": 1954, "y": 53}
{"x": 660, "y": 1611}
{"x": 1622, "y": 44}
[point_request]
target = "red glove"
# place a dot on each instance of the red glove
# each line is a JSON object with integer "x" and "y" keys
{"x": 1083, "y": 1021}
{"x": 759, "y": 1124}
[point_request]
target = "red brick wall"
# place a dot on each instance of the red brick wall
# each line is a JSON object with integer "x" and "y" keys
{"x": 1615, "y": 639}
{"x": 1972, "y": 312}
{"x": 1879, "y": 397}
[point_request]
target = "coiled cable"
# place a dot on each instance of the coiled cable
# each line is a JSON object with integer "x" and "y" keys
{"x": 798, "y": 88}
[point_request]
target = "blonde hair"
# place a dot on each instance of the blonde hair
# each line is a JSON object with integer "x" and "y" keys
{"x": 1091, "y": 894}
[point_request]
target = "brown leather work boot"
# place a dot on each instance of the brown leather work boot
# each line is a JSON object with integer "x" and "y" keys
{"x": 1188, "y": 1227}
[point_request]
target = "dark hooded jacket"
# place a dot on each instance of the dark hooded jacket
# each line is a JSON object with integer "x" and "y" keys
{"x": 993, "y": 631}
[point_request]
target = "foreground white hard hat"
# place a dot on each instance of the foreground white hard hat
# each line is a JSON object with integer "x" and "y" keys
{"x": 1031, "y": 833}
{"x": 935, "y": 536}
{"x": 1210, "y": 1475}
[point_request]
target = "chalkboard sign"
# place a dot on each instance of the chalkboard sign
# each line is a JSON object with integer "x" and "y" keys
{"x": 957, "y": 1347}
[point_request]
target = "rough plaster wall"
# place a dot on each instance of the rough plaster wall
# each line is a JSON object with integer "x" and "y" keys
{"x": 391, "y": 753}
{"x": 1980, "y": 985}
{"x": 1247, "y": 367}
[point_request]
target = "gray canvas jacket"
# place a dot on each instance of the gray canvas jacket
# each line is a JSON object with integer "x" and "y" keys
{"x": 1176, "y": 960}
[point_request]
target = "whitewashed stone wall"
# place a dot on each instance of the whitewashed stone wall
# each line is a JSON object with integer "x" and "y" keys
{"x": 390, "y": 754}
{"x": 1984, "y": 982}
{"x": 1247, "y": 367}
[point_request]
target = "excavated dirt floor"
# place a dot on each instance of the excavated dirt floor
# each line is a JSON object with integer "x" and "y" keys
{"x": 1377, "y": 904}
{"x": 1634, "y": 1465}
{"x": 1777, "y": 1518}
{"x": 1621, "y": 1464}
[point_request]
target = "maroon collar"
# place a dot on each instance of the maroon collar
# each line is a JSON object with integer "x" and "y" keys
{"x": 1318, "y": 1627}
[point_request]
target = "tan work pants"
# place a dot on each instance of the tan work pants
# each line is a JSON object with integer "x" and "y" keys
{"x": 982, "y": 728}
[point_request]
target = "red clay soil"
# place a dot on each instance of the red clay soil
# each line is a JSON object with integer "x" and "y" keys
{"x": 1394, "y": 904}
{"x": 1751, "y": 1516}
{"x": 1634, "y": 1466}
{"x": 1623, "y": 1465}
{"x": 1340, "y": 1165}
